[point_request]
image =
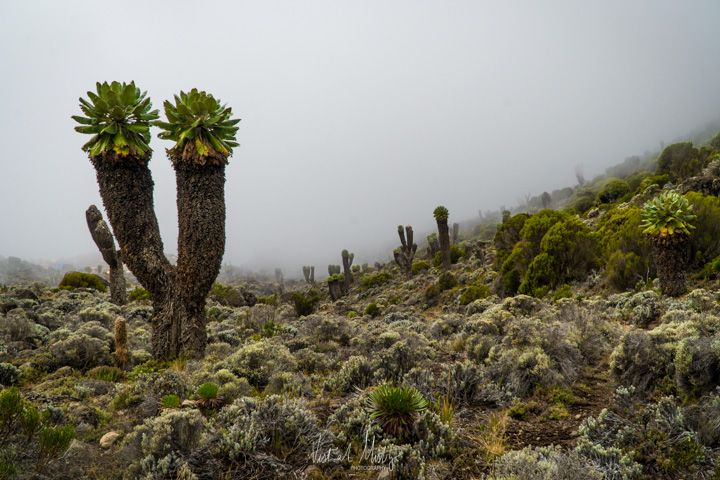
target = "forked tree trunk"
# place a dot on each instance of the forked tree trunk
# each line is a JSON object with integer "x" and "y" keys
{"x": 177, "y": 293}
{"x": 671, "y": 255}
{"x": 444, "y": 238}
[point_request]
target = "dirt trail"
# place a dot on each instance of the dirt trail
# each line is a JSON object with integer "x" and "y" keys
{"x": 563, "y": 432}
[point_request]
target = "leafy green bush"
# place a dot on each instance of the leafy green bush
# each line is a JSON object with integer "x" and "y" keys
{"x": 271, "y": 300}
{"x": 636, "y": 179}
{"x": 456, "y": 253}
{"x": 106, "y": 373}
{"x": 432, "y": 294}
{"x": 395, "y": 409}
{"x": 170, "y": 401}
{"x": 679, "y": 160}
{"x": 474, "y": 292}
{"x": 376, "y": 280}
{"x": 419, "y": 266}
{"x": 624, "y": 249}
{"x": 305, "y": 304}
{"x": 516, "y": 264}
{"x": 73, "y": 280}
{"x": 52, "y": 441}
{"x": 565, "y": 251}
{"x": 138, "y": 294}
{"x": 507, "y": 236}
{"x": 373, "y": 310}
{"x": 612, "y": 190}
{"x": 562, "y": 292}
{"x": 11, "y": 410}
{"x": 582, "y": 205}
{"x": 20, "y": 423}
{"x": 447, "y": 281}
{"x": 705, "y": 239}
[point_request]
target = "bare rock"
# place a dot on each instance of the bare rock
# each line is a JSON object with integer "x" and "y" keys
{"x": 109, "y": 439}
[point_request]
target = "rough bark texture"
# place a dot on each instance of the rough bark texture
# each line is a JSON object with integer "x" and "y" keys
{"x": 122, "y": 355}
{"x": 201, "y": 245}
{"x": 177, "y": 293}
{"x": 335, "y": 289}
{"x": 671, "y": 255}
{"x": 455, "y": 233}
{"x": 433, "y": 246}
{"x": 406, "y": 253}
{"x": 309, "y": 274}
{"x": 106, "y": 244}
{"x": 444, "y": 238}
{"x": 127, "y": 193}
{"x": 347, "y": 260}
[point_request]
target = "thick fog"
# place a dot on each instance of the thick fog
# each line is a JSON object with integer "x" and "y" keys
{"x": 356, "y": 116}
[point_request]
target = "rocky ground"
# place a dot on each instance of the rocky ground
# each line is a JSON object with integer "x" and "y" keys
{"x": 583, "y": 387}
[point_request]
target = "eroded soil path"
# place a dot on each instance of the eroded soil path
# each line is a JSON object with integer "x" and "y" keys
{"x": 592, "y": 394}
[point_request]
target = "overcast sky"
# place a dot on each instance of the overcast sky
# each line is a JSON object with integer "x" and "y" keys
{"x": 356, "y": 116}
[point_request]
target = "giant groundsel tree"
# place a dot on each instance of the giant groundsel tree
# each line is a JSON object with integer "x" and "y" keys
{"x": 666, "y": 220}
{"x": 119, "y": 116}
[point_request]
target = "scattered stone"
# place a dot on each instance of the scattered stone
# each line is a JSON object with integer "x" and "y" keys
{"x": 109, "y": 439}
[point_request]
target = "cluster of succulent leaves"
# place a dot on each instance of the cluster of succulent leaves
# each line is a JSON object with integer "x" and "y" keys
{"x": 395, "y": 408}
{"x": 119, "y": 117}
{"x": 210, "y": 397}
{"x": 170, "y": 401}
{"x": 666, "y": 214}
{"x": 441, "y": 213}
{"x": 199, "y": 118}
